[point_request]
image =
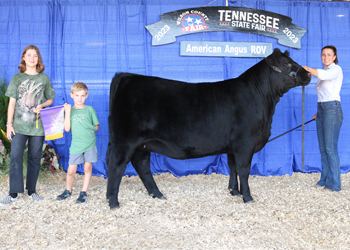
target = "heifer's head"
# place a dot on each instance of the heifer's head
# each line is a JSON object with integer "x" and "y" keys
{"x": 287, "y": 73}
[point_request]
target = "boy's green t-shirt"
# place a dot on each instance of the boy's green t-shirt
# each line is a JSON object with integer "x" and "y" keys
{"x": 83, "y": 123}
{"x": 29, "y": 91}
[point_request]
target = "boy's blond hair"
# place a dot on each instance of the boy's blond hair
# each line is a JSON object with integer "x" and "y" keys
{"x": 79, "y": 86}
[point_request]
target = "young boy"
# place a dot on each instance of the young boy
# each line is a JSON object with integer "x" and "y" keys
{"x": 83, "y": 122}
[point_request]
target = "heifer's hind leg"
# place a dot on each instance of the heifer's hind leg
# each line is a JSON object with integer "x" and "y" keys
{"x": 141, "y": 163}
{"x": 233, "y": 183}
{"x": 108, "y": 152}
{"x": 116, "y": 168}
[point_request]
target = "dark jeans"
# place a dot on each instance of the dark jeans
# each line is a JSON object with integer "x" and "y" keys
{"x": 35, "y": 145}
{"x": 329, "y": 121}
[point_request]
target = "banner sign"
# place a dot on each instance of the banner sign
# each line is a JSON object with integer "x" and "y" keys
{"x": 225, "y": 18}
{"x": 231, "y": 49}
{"x": 53, "y": 122}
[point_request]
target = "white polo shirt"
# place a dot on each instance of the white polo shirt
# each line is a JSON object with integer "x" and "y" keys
{"x": 329, "y": 83}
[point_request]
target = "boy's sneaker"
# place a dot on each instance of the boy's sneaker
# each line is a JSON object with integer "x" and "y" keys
{"x": 82, "y": 197}
{"x": 35, "y": 197}
{"x": 7, "y": 200}
{"x": 64, "y": 195}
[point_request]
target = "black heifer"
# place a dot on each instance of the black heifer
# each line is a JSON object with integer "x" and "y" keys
{"x": 182, "y": 120}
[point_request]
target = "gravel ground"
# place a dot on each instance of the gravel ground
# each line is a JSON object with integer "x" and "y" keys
{"x": 289, "y": 212}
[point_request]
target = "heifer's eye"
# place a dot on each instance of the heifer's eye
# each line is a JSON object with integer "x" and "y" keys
{"x": 287, "y": 64}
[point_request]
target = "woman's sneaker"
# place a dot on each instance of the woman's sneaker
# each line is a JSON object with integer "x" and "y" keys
{"x": 64, "y": 195}
{"x": 82, "y": 197}
{"x": 7, "y": 200}
{"x": 35, "y": 197}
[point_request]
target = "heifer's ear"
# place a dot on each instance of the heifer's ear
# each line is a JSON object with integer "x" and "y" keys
{"x": 276, "y": 50}
{"x": 286, "y": 53}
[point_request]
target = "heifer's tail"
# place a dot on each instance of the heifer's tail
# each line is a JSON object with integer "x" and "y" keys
{"x": 112, "y": 93}
{"x": 113, "y": 89}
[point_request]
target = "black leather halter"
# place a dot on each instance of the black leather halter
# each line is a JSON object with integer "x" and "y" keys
{"x": 292, "y": 74}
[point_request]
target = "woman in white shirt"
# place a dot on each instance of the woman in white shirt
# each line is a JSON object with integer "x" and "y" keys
{"x": 329, "y": 116}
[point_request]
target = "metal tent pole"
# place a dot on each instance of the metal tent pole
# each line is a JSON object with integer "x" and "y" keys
{"x": 303, "y": 129}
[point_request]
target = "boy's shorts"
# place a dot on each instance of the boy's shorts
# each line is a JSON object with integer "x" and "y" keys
{"x": 88, "y": 156}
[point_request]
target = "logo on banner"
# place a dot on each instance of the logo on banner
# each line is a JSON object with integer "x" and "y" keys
{"x": 225, "y": 18}
{"x": 193, "y": 22}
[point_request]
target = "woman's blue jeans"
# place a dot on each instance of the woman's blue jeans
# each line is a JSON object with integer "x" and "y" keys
{"x": 35, "y": 145}
{"x": 329, "y": 120}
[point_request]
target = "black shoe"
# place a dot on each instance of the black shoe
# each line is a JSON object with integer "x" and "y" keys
{"x": 82, "y": 197}
{"x": 64, "y": 195}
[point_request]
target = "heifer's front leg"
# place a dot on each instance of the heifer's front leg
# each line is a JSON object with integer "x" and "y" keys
{"x": 141, "y": 163}
{"x": 233, "y": 183}
{"x": 244, "y": 186}
{"x": 243, "y": 163}
{"x": 116, "y": 169}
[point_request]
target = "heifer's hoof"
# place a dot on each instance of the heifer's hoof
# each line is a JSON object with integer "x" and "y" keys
{"x": 113, "y": 205}
{"x": 234, "y": 192}
{"x": 114, "y": 208}
{"x": 161, "y": 197}
{"x": 248, "y": 200}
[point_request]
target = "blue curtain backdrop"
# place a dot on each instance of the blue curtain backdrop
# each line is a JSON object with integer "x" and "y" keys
{"x": 91, "y": 40}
